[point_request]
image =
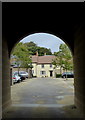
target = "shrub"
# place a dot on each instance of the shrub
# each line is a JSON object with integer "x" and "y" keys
{"x": 34, "y": 76}
{"x": 58, "y": 75}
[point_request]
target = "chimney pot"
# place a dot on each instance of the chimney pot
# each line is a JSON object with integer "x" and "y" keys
{"x": 37, "y": 53}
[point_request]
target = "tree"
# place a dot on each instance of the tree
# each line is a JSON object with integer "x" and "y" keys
{"x": 58, "y": 61}
{"x": 24, "y": 51}
{"x": 32, "y": 48}
{"x": 42, "y": 51}
{"x": 63, "y": 58}
{"x": 23, "y": 58}
{"x": 66, "y": 57}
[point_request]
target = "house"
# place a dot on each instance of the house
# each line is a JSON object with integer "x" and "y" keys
{"x": 42, "y": 66}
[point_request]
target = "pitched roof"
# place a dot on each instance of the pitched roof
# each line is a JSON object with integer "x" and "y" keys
{"x": 34, "y": 59}
{"x": 42, "y": 59}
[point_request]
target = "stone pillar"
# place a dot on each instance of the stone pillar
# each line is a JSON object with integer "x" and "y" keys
{"x": 79, "y": 68}
{"x": 6, "y": 91}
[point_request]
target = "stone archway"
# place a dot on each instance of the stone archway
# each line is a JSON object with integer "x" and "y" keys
{"x": 73, "y": 32}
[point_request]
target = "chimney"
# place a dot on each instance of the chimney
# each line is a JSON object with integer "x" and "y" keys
{"x": 36, "y": 53}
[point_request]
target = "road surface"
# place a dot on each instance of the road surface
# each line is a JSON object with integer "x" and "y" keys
{"x": 43, "y": 98}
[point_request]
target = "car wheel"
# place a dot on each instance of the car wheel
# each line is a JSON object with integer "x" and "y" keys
{"x": 18, "y": 81}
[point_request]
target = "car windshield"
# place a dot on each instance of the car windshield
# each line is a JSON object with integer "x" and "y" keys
{"x": 15, "y": 74}
{"x": 68, "y": 73}
{"x": 20, "y": 72}
{"x": 23, "y": 72}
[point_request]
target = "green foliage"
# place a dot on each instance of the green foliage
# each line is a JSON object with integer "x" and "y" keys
{"x": 58, "y": 75}
{"x": 22, "y": 55}
{"x": 42, "y": 51}
{"x": 24, "y": 51}
{"x": 63, "y": 58}
{"x": 32, "y": 48}
{"x": 30, "y": 44}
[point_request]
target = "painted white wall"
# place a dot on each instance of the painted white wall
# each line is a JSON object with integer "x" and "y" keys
{"x": 37, "y": 68}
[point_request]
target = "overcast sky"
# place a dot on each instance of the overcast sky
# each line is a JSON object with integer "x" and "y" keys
{"x": 44, "y": 40}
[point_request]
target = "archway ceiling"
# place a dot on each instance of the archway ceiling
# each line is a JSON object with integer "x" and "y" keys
{"x": 60, "y": 19}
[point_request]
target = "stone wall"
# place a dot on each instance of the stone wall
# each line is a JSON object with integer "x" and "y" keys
{"x": 6, "y": 90}
{"x": 79, "y": 68}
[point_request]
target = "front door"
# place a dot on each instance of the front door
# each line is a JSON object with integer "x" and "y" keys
{"x": 51, "y": 73}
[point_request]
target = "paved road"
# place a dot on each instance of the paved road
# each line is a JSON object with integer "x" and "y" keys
{"x": 42, "y": 98}
{"x": 43, "y": 91}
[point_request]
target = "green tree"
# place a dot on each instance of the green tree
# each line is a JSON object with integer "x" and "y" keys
{"x": 67, "y": 59}
{"x": 23, "y": 58}
{"x": 42, "y": 51}
{"x": 58, "y": 61}
{"x": 32, "y": 48}
{"x": 63, "y": 58}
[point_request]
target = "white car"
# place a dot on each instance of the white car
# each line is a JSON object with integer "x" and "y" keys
{"x": 22, "y": 74}
{"x": 16, "y": 78}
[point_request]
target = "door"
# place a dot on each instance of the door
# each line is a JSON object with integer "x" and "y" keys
{"x": 51, "y": 73}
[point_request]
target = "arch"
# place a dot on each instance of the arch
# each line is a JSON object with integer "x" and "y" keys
{"x": 50, "y": 33}
{"x": 46, "y": 34}
{"x": 65, "y": 26}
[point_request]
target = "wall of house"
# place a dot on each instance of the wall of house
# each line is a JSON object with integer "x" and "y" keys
{"x": 57, "y": 70}
{"x": 34, "y": 69}
{"x": 38, "y": 68}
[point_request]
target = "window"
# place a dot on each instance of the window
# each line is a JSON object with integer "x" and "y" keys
{"x": 50, "y": 65}
{"x": 42, "y": 72}
{"x": 42, "y": 65}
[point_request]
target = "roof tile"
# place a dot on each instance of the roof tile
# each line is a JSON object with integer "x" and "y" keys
{"x": 42, "y": 59}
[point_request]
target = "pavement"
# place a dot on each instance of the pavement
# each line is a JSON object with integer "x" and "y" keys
{"x": 43, "y": 98}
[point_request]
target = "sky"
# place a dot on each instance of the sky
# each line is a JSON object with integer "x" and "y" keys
{"x": 44, "y": 40}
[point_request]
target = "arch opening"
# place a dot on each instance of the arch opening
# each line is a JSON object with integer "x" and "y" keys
{"x": 72, "y": 30}
{"x": 51, "y": 73}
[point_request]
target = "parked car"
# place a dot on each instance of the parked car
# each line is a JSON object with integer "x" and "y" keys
{"x": 15, "y": 66}
{"x": 16, "y": 78}
{"x": 23, "y": 75}
{"x": 68, "y": 74}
